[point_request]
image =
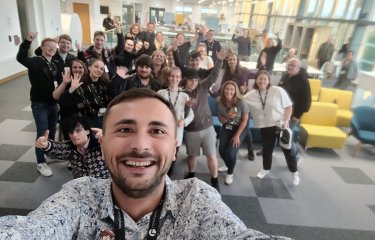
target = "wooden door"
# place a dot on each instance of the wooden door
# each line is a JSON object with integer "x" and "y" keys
{"x": 84, "y": 14}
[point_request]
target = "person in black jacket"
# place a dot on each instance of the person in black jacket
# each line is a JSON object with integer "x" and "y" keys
{"x": 271, "y": 52}
{"x": 244, "y": 44}
{"x": 296, "y": 84}
{"x": 43, "y": 78}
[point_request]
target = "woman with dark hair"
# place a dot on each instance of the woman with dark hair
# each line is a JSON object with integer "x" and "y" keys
{"x": 90, "y": 94}
{"x": 233, "y": 114}
{"x": 271, "y": 109}
{"x": 78, "y": 72}
{"x": 240, "y": 75}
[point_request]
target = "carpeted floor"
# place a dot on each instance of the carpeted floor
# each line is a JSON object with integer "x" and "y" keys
{"x": 335, "y": 199}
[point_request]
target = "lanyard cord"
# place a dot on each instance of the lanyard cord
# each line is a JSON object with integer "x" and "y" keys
{"x": 261, "y": 99}
{"x": 170, "y": 99}
{"x": 153, "y": 228}
{"x": 50, "y": 67}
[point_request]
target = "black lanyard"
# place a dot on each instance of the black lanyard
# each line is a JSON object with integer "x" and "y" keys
{"x": 51, "y": 68}
{"x": 261, "y": 99}
{"x": 153, "y": 227}
{"x": 170, "y": 99}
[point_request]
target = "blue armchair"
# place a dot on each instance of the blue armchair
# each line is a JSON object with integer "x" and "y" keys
{"x": 363, "y": 126}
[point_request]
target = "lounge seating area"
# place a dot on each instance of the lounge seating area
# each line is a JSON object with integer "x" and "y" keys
{"x": 363, "y": 126}
{"x": 318, "y": 127}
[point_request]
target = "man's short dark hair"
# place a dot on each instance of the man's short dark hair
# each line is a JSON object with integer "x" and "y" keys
{"x": 137, "y": 93}
{"x": 194, "y": 54}
{"x": 143, "y": 60}
{"x": 66, "y": 37}
{"x": 70, "y": 124}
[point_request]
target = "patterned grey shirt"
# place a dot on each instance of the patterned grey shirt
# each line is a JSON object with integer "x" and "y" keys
{"x": 83, "y": 209}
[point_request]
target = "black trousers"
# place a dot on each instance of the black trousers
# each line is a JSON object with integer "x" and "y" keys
{"x": 268, "y": 143}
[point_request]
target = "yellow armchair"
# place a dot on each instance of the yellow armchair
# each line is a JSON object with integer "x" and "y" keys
{"x": 315, "y": 85}
{"x": 343, "y": 99}
{"x": 318, "y": 127}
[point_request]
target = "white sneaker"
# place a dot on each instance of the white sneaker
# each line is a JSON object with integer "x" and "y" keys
{"x": 223, "y": 169}
{"x": 295, "y": 178}
{"x": 229, "y": 179}
{"x": 263, "y": 173}
{"x": 44, "y": 169}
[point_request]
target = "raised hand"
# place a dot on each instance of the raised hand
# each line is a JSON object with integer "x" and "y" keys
{"x": 66, "y": 77}
{"x": 98, "y": 133}
{"x": 78, "y": 46}
{"x": 190, "y": 102}
{"x": 75, "y": 82}
{"x": 146, "y": 45}
{"x": 31, "y": 36}
{"x": 122, "y": 71}
{"x": 42, "y": 141}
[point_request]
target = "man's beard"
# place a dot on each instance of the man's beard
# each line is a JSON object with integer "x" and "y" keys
{"x": 142, "y": 77}
{"x": 155, "y": 181}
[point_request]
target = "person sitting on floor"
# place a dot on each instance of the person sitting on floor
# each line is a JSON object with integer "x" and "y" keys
{"x": 83, "y": 150}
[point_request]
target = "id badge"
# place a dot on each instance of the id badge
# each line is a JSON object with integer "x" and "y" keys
{"x": 55, "y": 84}
{"x": 210, "y": 53}
{"x": 228, "y": 126}
{"x": 106, "y": 68}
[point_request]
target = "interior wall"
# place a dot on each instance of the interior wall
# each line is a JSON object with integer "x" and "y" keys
{"x": 9, "y": 27}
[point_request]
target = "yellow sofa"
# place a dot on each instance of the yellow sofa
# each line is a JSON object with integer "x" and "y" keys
{"x": 315, "y": 85}
{"x": 343, "y": 99}
{"x": 318, "y": 127}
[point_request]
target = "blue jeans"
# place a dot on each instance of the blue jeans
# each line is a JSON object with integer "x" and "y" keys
{"x": 45, "y": 116}
{"x": 293, "y": 125}
{"x": 227, "y": 152}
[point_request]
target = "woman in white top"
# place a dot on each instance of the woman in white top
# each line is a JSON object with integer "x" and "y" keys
{"x": 271, "y": 107}
{"x": 178, "y": 99}
{"x": 206, "y": 61}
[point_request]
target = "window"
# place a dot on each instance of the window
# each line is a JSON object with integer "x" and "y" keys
{"x": 311, "y": 8}
{"x": 367, "y": 61}
{"x": 340, "y": 9}
{"x": 326, "y": 9}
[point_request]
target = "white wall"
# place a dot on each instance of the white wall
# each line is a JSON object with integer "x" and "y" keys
{"x": 9, "y": 26}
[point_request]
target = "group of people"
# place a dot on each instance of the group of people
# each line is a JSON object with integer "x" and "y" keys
{"x": 126, "y": 111}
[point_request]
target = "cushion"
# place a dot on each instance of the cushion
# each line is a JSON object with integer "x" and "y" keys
{"x": 324, "y": 136}
{"x": 343, "y": 118}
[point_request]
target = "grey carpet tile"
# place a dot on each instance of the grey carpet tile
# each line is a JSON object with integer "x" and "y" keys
{"x": 322, "y": 153}
{"x": 20, "y": 172}
{"x": 247, "y": 209}
{"x": 353, "y": 175}
{"x": 270, "y": 188}
{"x": 14, "y": 211}
{"x": 29, "y": 128}
{"x": 12, "y": 152}
{"x": 372, "y": 207}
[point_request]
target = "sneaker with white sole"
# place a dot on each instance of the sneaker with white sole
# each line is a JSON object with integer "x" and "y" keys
{"x": 295, "y": 178}
{"x": 222, "y": 169}
{"x": 229, "y": 179}
{"x": 44, "y": 169}
{"x": 263, "y": 173}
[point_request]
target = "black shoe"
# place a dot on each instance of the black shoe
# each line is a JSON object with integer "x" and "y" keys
{"x": 259, "y": 153}
{"x": 215, "y": 183}
{"x": 250, "y": 155}
{"x": 189, "y": 175}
